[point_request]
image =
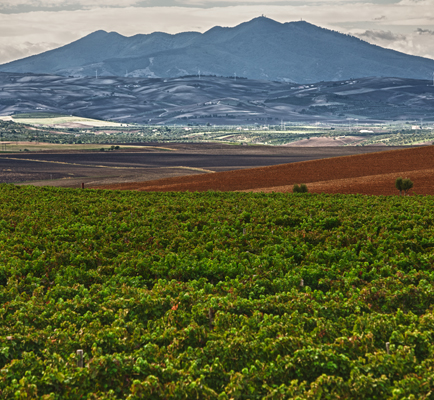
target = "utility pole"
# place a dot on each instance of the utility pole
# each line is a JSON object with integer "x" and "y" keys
{"x": 349, "y": 125}
{"x": 96, "y": 74}
{"x": 235, "y": 74}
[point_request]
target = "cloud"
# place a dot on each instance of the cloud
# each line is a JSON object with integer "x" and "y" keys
{"x": 22, "y": 6}
{"x": 416, "y": 3}
{"x": 421, "y": 31}
{"x": 418, "y": 42}
{"x": 67, "y": 3}
{"x": 43, "y": 4}
{"x": 223, "y": 3}
{"x": 9, "y": 52}
{"x": 381, "y": 35}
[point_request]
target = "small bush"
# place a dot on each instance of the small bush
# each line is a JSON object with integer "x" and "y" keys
{"x": 398, "y": 184}
{"x": 403, "y": 185}
{"x": 407, "y": 184}
{"x": 300, "y": 189}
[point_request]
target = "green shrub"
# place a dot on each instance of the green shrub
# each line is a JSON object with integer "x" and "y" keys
{"x": 300, "y": 189}
{"x": 403, "y": 185}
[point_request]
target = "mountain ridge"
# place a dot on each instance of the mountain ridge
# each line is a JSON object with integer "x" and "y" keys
{"x": 262, "y": 48}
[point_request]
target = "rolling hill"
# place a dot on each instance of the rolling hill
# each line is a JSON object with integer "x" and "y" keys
{"x": 259, "y": 49}
{"x": 217, "y": 100}
{"x": 372, "y": 174}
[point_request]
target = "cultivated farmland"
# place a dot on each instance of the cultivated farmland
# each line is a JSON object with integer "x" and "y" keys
{"x": 372, "y": 173}
{"x": 70, "y": 165}
{"x": 214, "y": 295}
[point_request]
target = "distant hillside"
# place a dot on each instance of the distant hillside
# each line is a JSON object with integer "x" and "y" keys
{"x": 217, "y": 100}
{"x": 259, "y": 49}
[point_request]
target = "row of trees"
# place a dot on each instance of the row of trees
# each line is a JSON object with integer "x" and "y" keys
{"x": 403, "y": 185}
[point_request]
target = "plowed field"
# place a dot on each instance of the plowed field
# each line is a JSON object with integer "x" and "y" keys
{"x": 373, "y": 173}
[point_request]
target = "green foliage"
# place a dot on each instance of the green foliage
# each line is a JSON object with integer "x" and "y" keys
{"x": 300, "y": 189}
{"x": 399, "y": 184}
{"x": 273, "y": 135}
{"x": 407, "y": 184}
{"x": 199, "y": 295}
{"x": 403, "y": 185}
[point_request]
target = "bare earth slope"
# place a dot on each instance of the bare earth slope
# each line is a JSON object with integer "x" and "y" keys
{"x": 366, "y": 173}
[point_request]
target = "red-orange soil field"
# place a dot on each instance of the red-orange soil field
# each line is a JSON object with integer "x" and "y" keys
{"x": 372, "y": 174}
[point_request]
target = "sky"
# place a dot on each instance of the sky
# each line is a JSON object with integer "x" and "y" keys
{"x": 30, "y": 27}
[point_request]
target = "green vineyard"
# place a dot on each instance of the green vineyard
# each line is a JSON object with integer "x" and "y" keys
{"x": 215, "y": 295}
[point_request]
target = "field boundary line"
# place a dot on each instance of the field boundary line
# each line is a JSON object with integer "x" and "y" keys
{"x": 191, "y": 168}
{"x": 105, "y": 166}
{"x": 66, "y": 163}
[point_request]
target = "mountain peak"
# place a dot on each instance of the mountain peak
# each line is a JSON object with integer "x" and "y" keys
{"x": 262, "y": 21}
{"x": 97, "y": 33}
{"x": 101, "y": 34}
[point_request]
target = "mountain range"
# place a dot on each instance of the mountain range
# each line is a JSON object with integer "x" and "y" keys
{"x": 261, "y": 49}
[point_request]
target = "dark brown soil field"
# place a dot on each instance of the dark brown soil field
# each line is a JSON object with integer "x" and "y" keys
{"x": 94, "y": 168}
{"x": 373, "y": 173}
